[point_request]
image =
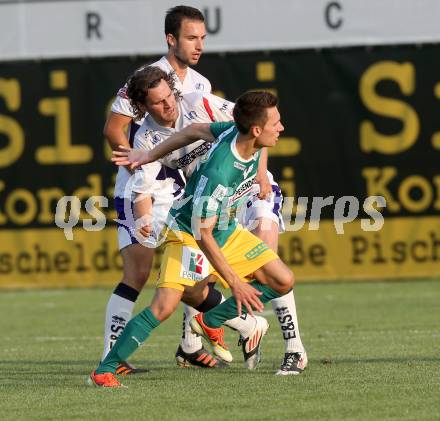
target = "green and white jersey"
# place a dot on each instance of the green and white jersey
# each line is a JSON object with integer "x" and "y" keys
{"x": 222, "y": 181}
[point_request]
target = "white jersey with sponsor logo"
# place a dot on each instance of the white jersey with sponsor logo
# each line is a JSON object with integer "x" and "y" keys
{"x": 193, "y": 108}
{"x": 193, "y": 82}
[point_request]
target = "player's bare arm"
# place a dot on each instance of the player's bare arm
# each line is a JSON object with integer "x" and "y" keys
{"x": 244, "y": 293}
{"x": 115, "y": 130}
{"x": 136, "y": 157}
{"x": 262, "y": 178}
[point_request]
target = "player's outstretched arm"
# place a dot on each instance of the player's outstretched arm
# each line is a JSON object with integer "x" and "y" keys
{"x": 184, "y": 137}
{"x": 244, "y": 294}
{"x": 135, "y": 157}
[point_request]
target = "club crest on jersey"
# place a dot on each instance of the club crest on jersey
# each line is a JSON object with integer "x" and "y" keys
{"x": 239, "y": 166}
{"x": 192, "y": 115}
{"x": 155, "y": 139}
{"x": 199, "y": 86}
{"x": 247, "y": 171}
{"x": 194, "y": 265}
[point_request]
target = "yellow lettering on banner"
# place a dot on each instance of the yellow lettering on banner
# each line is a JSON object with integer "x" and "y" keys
{"x": 3, "y": 218}
{"x": 265, "y": 71}
{"x": 27, "y": 198}
{"x": 10, "y": 91}
{"x": 377, "y": 180}
{"x": 406, "y": 247}
{"x": 112, "y": 214}
{"x": 415, "y": 182}
{"x": 436, "y": 181}
{"x": 47, "y": 197}
{"x": 95, "y": 189}
{"x": 435, "y": 139}
{"x": 286, "y": 146}
{"x": 373, "y": 141}
{"x": 63, "y": 152}
{"x": 287, "y": 185}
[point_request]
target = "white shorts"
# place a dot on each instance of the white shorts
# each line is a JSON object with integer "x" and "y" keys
{"x": 269, "y": 208}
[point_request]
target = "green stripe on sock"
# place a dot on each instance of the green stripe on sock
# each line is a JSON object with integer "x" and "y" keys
{"x": 228, "y": 309}
{"x": 135, "y": 333}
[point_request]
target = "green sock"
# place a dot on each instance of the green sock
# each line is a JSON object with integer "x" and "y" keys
{"x": 228, "y": 309}
{"x": 135, "y": 333}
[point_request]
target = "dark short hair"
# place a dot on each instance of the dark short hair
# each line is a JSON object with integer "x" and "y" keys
{"x": 141, "y": 81}
{"x": 250, "y": 109}
{"x": 175, "y": 15}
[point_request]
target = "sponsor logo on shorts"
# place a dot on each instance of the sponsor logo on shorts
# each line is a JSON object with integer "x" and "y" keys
{"x": 256, "y": 251}
{"x": 194, "y": 264}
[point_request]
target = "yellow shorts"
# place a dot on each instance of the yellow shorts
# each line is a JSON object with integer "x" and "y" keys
{"x": 183, "y": 263}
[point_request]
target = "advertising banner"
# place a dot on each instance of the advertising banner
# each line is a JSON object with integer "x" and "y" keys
{"x": 358, "y": 162}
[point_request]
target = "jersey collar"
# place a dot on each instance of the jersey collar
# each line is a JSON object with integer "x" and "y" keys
{"x": 152, "y": 125}
{"x": 237, "y": 155}
{"x": 178, "y": 84}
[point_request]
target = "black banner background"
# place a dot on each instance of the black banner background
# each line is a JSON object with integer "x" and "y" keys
{"x": 321, "y": 105}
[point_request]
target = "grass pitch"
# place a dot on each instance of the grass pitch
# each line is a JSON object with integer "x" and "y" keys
{"x": 373, "y": 354}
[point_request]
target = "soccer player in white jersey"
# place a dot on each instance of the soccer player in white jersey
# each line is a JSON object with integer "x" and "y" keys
{"x": 185, "y": 34}
{"x": 263, "y": 216}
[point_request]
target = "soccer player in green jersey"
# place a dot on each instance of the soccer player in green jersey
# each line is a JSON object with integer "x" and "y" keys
{"x": 204, "y": 226}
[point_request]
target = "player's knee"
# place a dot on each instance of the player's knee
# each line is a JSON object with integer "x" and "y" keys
{"x": 192, "y": 297}
{"x": 162, "y": 311}
{"x": 286, "y": 281}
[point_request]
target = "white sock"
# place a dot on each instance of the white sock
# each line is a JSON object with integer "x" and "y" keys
{"x": 118, "y": 314}
{"x": 244, "y": 324}
{"x": 190, "y": 342}
{"x": 285, "y": 310}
